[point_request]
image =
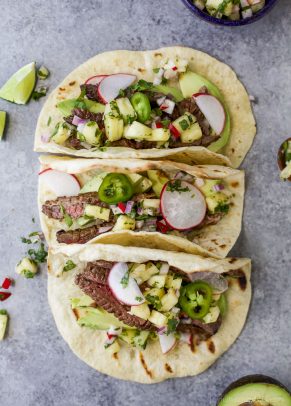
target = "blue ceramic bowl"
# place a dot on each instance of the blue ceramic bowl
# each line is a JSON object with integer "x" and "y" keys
{"x": 213, "y": 20}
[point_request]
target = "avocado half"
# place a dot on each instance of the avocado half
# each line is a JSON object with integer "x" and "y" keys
{"x": 255, "y": 390}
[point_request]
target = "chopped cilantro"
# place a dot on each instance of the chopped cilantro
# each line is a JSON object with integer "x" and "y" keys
{"x": 176, "y": 186}
{"x": 166, "y": 123}
{"x": 49, "y": 121}
{"x": 172, "y": 325}
{"x": 28, "y": 274}
{"x": 141, "y": 85}
{"x": 39, "y": 92}
{"x": 124, "y": 280}
{"x": 39, "y": 255}
{"x": 69, "y": 265}
{"x": 122, "y": 93}
{"x": 43, "y": 73}
{"x": 2, "y": 311}
{"x": 68, "y": 219}
{"x": 33, "y": 219}
{"x": 138, "y": 298}
{"x": 154, "y": 301}
{"x": 156, "y": 70}
{"x": 222, "y": 208}
{"x": 184, "y": 124}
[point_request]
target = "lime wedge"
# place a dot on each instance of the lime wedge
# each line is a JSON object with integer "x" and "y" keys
{"x": 2, "y": 123}
{"x": 20, "y": 86}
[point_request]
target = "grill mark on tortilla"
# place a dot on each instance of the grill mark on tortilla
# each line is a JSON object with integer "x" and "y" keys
{"x": 158, "y": 54}
{"x": 240, "y": 276}
{"x": 192, "y": 343}
{"x": 232, "y": 260}
{"x": 234, "y": 184}
{"x": 223, "y": 246}
{"x": 211, "y": 346}
{"x": 168, "y": 368}
{"x": 62, "y": 89}
{"x": 75, "y": 313}
{"x": 72, "y": 83}
{"x": 143, "y": 363}
{"x": 115, "y": 356}
{"x": 141, "y": 70}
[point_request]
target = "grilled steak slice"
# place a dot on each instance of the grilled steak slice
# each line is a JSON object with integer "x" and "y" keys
{"x": 74, "y": 205}
{"x": 133, "y": 144}
{"x": 211, "y": 219}
{"x": 93, "y": 282}
{"x": 199, "y": 328}
{"x": 90, "y": 91}
{"x": 73, "y": 142}
{"x": 81, "y": 235}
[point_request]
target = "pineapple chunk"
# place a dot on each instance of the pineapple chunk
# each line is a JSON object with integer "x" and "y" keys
{"x": 97, "y": 212}
{"x": 151, "y": 269}
{"x": 173, "y": 282}
{"x": 155, "y": 292}
{"x": 142, "y": 311}
{"x": 137, "y": 131}
{"x": 158, "y": 319}
{"x": 3, "y": 324}
{"x": 193, "y": 133}
{"x": 169, "y": 300}
{"x": 157, "y": 281}
{"x": 113, "y": 127}
{"x": 159, "y": 135}
{"x": 124, "y": 222}
{"x": 140, "y": 340}
{"x": 62, "y": 134}
{"x": 184, "y": 122}
{"x": 126, "y": 110}
{"x": 92, "y": 133}
{"x": 151, "y": 204}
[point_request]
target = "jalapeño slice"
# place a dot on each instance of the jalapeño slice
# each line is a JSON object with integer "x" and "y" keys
{"x": 195, "y": 299}
{"x": 115, "y": 188}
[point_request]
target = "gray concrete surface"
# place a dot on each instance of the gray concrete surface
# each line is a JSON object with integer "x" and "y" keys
{"x": 36, "y": 366}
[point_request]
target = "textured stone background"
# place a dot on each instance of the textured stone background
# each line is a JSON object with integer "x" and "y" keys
{"x": 36, "y": 366}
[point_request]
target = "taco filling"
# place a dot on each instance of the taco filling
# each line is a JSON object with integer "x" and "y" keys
{"x": 177, "y": 108}
{"x": 150, "y": 201}
{"x": 139, "y": 302}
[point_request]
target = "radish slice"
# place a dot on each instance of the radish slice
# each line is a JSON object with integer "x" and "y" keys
{"x": 61, "y": 183}
{"x": 167, "y": 342}
{"x": 110, "y": 86}
{"x": 123, "y": 286}
{"x": 213, "y": 111}
{"x": 95, "y": 80}
{"x": 183, "y": 206}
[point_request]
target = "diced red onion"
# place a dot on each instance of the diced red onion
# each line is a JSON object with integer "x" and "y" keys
{"x": 186, "y": 320}
{"x": 129, "y": 206}
{"x": 164, "y": 269}
{"x": 77, "y": 120}
{"x": 115, "y": 209}
{"x": 184, "y": 176}
{"x": 161, "y": 100}
{"x": 218, "y": 188}
{"x": 139, "y": 224}
{"x": 81, "y": 126}
{"x": 199, "y": 182}
{"x": 45, "y": 138}
{"x": 105, "y": 229}
{"x": 162, "y": 330}
{"x": 113, "y": 332}
{"x": 247, "y": 13}
{"x": 168, "y": 106}
{"x": 109, "y": 341}
{"x": 140, "y": 211}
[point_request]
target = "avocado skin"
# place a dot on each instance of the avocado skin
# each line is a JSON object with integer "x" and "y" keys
{"x": 252, "y": 379}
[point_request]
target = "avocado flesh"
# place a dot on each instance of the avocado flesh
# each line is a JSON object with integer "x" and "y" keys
{"x": 158, "y": 180}
{"x": 165, "y": 89}
{"x": 97, "y": 319}
{"x": 66, "y": 106}
{"x": 261, "y": 394}
{"x": 2, "y": 123}
{"x": 190, "y": 84}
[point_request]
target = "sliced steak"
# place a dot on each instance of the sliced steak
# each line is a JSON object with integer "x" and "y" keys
{"x": 91, "y": 92}
{"x": 81, "y": 235}
{"x": 74, "y": 142}
{"x": 93, "y": 282}
{"x": 74, "y": 205}
{"x": 197, "y": 327}
{"x": 123, "y": 142}
{"x": 211, "y": 219}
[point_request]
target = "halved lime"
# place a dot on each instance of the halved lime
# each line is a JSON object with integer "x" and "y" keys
{"x": 2, "y": 123}
{"x": 20, "y": 86}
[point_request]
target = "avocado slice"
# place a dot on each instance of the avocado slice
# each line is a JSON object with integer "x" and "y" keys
{"x": 165, "y": 89}
{"x": 96, "y": 318}
{"x": 190, "y": 84}
{"x": 3, "y": 116}
{"x": 66, "y": 106}
{"x": 255, "y": 390}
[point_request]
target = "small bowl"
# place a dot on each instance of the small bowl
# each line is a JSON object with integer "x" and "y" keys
{"x": 218, "y": 21}
{"x": 281, "y": 157}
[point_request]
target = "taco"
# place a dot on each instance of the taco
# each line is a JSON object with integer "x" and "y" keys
{"x": 147, "y": 315}
{"x": 175, "y": 103}
{"x": 156, "y": 204}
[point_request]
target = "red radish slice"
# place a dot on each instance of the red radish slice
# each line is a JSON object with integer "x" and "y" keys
{"x": 110, "y": 86}
{"x": 183, "y": 205}
{"x": 123, "y": 286}
{"x": 167, "y": 342}
{"x": 174, "y": 131}
{"x": 213, "y": 111}
{"x": 95, "y": 80}
{"x": 61, "y": 183}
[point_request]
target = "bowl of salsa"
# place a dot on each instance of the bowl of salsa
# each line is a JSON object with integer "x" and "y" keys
{"x": 230, "y": 12}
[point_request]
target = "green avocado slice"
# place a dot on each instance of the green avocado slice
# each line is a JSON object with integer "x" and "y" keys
{"x": 66, "y": 106}
{"x": 97, "y": 318}
{"x": 261, "y": 394}
{"x": 2, "y": 123}
{"x": 190, "y": 84}
{"x": 165, "y": 89}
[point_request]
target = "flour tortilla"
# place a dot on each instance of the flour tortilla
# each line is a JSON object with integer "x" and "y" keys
{"x": 215, "y": 240}
{"x": 150, "y": 365}
{"x": 141, "y": 64}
